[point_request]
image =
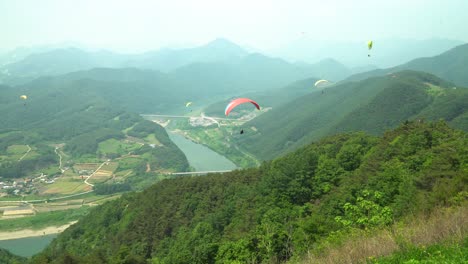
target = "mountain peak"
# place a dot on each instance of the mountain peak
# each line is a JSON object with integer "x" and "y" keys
{"x": 224, "y": 44}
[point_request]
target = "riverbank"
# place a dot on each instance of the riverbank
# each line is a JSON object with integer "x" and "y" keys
{"x": 34, "y": 233}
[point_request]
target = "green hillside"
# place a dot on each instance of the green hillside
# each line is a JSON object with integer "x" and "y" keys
{"x": 149, "y": 91}
{"x": 450, "y": 65}
{"x": 83, "y": 118}
{"x": 373, "y": 105}
{"x": 339, "y": 186}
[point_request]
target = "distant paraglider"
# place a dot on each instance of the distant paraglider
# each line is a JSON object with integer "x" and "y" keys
{"x": 321, "y": 83}
{"x": 234, "y": 103}
{"x": 370, "y": 43}
{"x": 24, "y": 97}
{"x": 188, "y": 104}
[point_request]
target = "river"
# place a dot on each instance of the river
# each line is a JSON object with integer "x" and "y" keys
{"x": 28, "y": 246}
{"x": 201, "y": 158}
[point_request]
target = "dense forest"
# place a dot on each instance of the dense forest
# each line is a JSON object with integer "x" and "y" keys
{"x": 352, "y": 182}
{"x": 7, "y": 258}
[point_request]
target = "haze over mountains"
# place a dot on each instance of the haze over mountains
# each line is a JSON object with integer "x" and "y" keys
{"x": 385, "y": 53}
{"x": 25, "y": 64}
{"x": 221, "y": 60}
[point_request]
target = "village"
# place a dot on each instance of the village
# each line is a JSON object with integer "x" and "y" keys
{"x": 25, "y": 186}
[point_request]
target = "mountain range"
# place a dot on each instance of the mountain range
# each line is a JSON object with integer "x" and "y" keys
{"x": 219, "y": 54}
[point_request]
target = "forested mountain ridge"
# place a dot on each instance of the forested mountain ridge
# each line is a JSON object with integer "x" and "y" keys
{"x": 280, "y": 210}
{"x": 85, "y": 117}
{"x": 374, "y": 105}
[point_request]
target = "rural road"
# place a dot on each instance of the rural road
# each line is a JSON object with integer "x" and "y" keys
{"x": 22, "y": 157}
{"x": 60, "y": 160}
{"x": 100, "y": 166}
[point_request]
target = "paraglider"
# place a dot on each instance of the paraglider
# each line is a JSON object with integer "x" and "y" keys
{"x": 370, "y": 43}
{"x": 234, "y": 103}
{"x": 188, "y": 104}
{"x": 24, "y": 97}
{"x": 321, "y": 83}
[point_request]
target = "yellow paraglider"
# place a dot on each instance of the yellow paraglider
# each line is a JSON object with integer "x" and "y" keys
{"x": 24, "y": 97}
{"x": 370, "y": 43}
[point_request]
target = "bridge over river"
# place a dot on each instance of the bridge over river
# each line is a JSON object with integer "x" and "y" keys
{"x": 198, "y": 172}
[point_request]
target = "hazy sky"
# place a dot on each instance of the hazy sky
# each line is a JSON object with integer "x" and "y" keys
{"x": 143, "y": 25}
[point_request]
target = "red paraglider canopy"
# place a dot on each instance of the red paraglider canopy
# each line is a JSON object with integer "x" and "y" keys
{"x": 237, "y": 102}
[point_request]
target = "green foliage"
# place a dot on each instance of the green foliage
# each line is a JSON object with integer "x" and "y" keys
{"x": 103, "y": 189}
{"x": 44, "y": 157}
{"x": 8, "y": 258}
{"x": 143, "y": 129}
{"x": 88, "y": 143}
{"x": 366, "y": 212}
{"x": 276, "y": 212}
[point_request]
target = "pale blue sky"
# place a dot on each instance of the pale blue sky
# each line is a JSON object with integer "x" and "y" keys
{"x": 144, "y": 25}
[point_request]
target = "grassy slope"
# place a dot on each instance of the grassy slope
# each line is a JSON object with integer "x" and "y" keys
{"x": 441, "y": 235}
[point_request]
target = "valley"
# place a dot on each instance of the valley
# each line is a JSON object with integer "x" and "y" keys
{"x": 220, "y": 152}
